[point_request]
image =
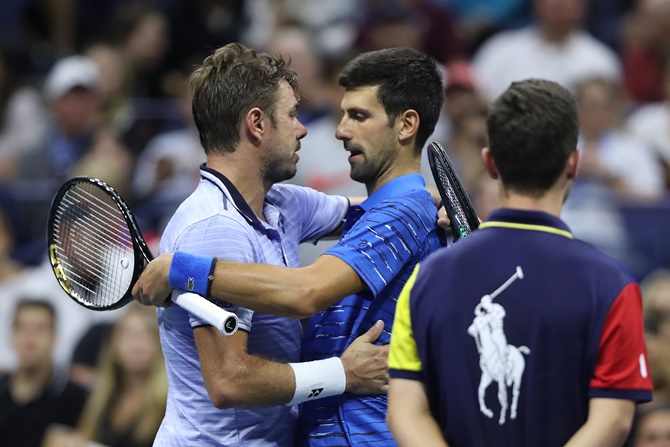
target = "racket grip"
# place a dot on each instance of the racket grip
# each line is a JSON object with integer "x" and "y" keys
{"x": 225, "y": 322}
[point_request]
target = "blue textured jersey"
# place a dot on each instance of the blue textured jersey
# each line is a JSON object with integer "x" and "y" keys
{"x": 384, "y": 239}
{"x": 513, "y": 329}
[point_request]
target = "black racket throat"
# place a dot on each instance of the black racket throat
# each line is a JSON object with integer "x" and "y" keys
{"x": 462, "y": 216}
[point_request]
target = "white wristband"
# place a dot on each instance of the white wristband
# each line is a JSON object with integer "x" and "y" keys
{"x": 318, "y": 379}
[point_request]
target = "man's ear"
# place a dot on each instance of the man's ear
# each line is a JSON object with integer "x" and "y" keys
{"x": 572, "y": 165}
{"x": 408, "y": 125}
{"x": 255, "y": 124}
{"x": 489, "y": 163}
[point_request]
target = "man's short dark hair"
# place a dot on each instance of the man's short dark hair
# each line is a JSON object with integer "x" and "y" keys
{"x": 532, "y": 129}
{"x": 407, "y": 79}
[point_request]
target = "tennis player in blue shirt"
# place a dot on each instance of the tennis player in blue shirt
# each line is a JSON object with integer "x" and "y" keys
{"x": 391, "y": 104}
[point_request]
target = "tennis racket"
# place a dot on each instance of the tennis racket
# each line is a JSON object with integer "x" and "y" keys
{"x": 97, "y": 252}
{"x": 456, "y": 202}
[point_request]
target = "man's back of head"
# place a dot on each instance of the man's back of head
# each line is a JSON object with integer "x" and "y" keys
{"x": 532, "y": 130}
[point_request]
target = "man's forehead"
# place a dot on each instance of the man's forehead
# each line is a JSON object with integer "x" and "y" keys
{"x": 361, "y": 97}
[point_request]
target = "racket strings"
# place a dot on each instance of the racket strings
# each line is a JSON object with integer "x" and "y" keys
{"x": 94, "y": 244}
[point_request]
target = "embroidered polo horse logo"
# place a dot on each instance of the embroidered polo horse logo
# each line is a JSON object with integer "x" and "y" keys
{"x": 499, "y": 361}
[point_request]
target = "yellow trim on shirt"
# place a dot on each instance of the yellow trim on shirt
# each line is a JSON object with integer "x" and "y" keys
{"x": 519, "y": 226}
{"x": 403, "y": 354}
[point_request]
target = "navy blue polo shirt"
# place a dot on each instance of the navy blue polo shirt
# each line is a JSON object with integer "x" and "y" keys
{"x": 513, "y": 329}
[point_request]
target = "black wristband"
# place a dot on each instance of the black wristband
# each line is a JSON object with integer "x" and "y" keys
{"x": 210, "y": 278}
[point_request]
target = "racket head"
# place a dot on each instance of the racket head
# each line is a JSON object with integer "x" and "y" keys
{"x": 456, "y": 202}
{"x": 95, "y": 247}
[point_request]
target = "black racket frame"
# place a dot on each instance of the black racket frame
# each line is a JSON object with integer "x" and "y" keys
{"x": 438, "y": 156}
{"x": 141, "y": 251}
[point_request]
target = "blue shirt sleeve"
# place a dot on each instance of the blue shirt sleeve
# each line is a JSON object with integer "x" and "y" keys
{"x": 383, "y": 241}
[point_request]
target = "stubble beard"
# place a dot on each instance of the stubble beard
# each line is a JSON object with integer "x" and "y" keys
{"x": 278, "y": 170}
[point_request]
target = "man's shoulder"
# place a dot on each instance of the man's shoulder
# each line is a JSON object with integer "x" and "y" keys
{"x": 408, "y": 198}
{"x": 283, "y": 194}
{"x": 287, "y": 195}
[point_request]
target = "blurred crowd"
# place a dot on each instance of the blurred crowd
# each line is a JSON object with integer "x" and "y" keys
{"x": 98, "y": 88}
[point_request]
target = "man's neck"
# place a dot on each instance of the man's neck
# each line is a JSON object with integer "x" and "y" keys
{"x": 399, "y": 169}
{"x": 551, "y": 202}
{"x": 28, "y": 382}
{"x": 556, "y": 36}
{"x": 245, "y": 176}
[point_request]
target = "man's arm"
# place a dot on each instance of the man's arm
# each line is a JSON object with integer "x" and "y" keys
{"x": 234, "y": 378}
{"x": 409, "y": 416}
{"x": 292, "y": 292}
{"x": 607, "y": 425}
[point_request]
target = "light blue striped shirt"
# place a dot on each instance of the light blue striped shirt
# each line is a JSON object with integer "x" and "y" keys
{"x": 216, "y": 221}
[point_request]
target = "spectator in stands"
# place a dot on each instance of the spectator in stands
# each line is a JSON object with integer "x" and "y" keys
{"x": 652, "y": 426}
{"x": 296, "y": 44}
{"x": 108, "y": 159}
{"x": 555, "y": 48}
{"x": 114, "y": 86}
{"x": 468, "y": 138}
{"x": 656, "y": 304}
{"x": 142, "y": 35}
{"x": 22, "y": 119}
{"x": 71, "y": 92}
{"x": 18, "y": 281}
{"x": 646, "y": 49}
{"x": 454, "y": 129}
{"x": 86, "y": 354}
{"x": 476, "y": 20}
{"x": 419, "y": 24}
{"x": 9, "y": 268}
{"x": 651, "y": 122}
{"x": 128, "y": 401}
{"x": 613, "y": 165}
{"x": 36, "y": 396}
{"x": 167, "y": 169}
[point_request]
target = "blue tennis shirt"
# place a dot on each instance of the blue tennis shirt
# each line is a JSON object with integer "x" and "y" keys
{"x": 384, "y": 239}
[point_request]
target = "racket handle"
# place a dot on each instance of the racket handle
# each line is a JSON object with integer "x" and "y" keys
{"x": 225, "y": 322}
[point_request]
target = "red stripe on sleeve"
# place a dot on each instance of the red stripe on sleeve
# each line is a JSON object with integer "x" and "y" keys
{"x": 622, "y": 354}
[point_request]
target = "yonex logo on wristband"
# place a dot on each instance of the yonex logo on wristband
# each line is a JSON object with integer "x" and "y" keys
{"x": 190, "y": 284}
{"x": 315, "y": 392}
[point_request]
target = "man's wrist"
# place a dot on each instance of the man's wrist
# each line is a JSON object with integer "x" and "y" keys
{"x": 318, "y": 379}
{"x": 191, "y": 272}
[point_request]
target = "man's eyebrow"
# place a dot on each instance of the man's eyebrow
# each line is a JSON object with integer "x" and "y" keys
{"x": 355, "y": 109}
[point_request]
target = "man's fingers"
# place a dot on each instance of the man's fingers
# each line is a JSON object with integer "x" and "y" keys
{"x": 375, "y": 331}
